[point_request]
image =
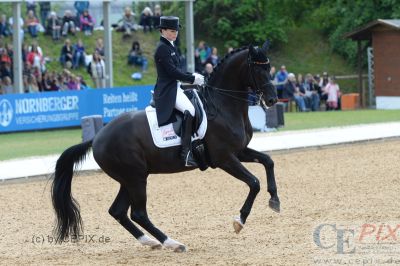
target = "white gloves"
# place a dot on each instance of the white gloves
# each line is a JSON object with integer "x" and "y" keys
{"x": 198, "y": 79}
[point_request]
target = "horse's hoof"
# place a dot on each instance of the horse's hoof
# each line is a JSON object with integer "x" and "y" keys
{"x": 174, "y": 245}
{"x": 275, "y": 205}
{"x": 237, "y": 224}
{"x": 180, "y": 249}
{"x": 148, "y": 241}
{"x": 156, "y": 247}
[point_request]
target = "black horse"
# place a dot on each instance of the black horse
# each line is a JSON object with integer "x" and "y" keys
{"x": 124, "y": 149}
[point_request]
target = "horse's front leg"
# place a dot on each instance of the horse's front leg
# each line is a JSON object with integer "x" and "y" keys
{"x": 235, "y": 168}
{"x": 250, "y": 155}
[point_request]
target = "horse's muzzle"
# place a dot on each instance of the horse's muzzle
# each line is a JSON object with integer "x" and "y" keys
{"x": 271, "y": 101}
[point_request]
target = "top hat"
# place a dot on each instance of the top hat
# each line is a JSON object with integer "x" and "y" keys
{"x": 169, "y": 22}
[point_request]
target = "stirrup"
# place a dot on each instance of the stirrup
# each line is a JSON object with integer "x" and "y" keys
{"x": 189, "y": 160}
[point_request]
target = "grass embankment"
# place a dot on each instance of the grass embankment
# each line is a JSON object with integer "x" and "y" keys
{"x": 25, "y": 144}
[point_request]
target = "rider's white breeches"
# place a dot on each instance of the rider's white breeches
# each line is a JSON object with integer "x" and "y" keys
{"x": 182, "y": 102}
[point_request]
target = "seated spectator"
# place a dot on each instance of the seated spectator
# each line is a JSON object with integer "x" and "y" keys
{"x": 332, "y": 91}
{"x": 32, "y": 23}
{"x": 21, "y": 31}
{"x": 5, "y": 70}
{"x": 292, "y": 91}
{"x": 136, "y": 57}
{"x": 53, "y": 26}
{"x": 281, "y": 79}
{"x": 31, "y": 85}
{"x": 82, "y": 83}
{"x": 157, "y": 15}
{"x": 208, "y": 69}
{"x": 80, "y": 7}
{"x": 100, "y": 47}
{"x": 7, "y": 86}
{"x": 67, "y": 54}
{"x": 72, "y": 82}
{"x": 146, "y": 19}
{"x": 322, "y": 83}
{"x": 50, "y": 82}
{"x": 214, "y": 58}
{"x": 87, "y": 23}
{"x": 311, "y": 93}
{"x": 79, "y": 55}
{"x": 128, "y": 22}
{"x": 97, "y": 70}
{"x": 4, "y": 26}
{"x": 68, "y": 23}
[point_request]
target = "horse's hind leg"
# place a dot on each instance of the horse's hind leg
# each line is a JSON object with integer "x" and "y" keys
{"x": 139, "y": 215}
{"x": 119, "y": 210}
{"x": 250, "y": 155}
{"x": 236, "y": 169}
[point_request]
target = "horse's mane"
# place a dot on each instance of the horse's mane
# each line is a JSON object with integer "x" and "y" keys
{"x": 222, "y": 62}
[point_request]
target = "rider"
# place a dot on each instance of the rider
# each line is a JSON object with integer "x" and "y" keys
{"x": 167, "y": 92}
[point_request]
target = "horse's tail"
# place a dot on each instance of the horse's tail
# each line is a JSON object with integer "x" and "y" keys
{"x": 69, "y": 220}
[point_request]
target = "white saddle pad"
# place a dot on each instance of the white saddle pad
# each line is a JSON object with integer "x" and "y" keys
{"x": 165, "y": 136}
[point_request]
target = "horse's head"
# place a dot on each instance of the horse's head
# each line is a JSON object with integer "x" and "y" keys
{"x": 260, "y": 78}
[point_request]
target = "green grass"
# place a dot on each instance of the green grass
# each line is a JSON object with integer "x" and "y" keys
{"x": 25, "y": 144}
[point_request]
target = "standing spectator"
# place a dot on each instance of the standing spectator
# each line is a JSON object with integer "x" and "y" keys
{"x": 79, "y": 54}
{"x": 136, "y": 57}
{"x": 100, "y": 47}
{"x": 214, "y": 58}
{"x": 332, "y": 90}
{"x": 202, "y": 52}
{"x": 80, "y": 7}
{"x": 208, "y": 69}
{"x": 312, "y": 89}
{"x": 67, "y": 53}
{"x": 7, "y": 87}
{"x": 45, "y": 8}
{"x": 292, "y": 91}
{"x": 281, "y": 79}
{"x": 4, "y": 26}
{"x": 87, "y": 23}
{"x": 30, "y": 6}
{"x": 68, "y": 24}
{"x": 35, "y": 58}
{"x": 54, "y": 26}
{"x": 146, "y": 19}
{"x": 272, "y": 74}
{"x": 98, "y": 71}
{"x": 32, "y": 24}
{"x": 128, "y": 22}
{"x": 157, "y": 15}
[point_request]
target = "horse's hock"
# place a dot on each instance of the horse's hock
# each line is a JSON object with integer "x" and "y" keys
{"x": 90, "y": 126}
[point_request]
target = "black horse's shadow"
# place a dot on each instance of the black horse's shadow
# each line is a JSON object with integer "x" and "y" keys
{"x": 124, "y": 149}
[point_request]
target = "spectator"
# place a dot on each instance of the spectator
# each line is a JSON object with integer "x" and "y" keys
{"x": 54, "y": 26}
{"x": 292, "y": 91}
{"x": 87, "y": 23}
{"x": 100, "y": 47}
{"x": 50, "y": 82}
{"x": 79, "y": 54}
{"x": 202, "y": 53}
{"x": 136, "y": 57}
{"x": 98, "y": 71}
{"x": 214, "y": 58}
{"x": 67, "y": 54}
{"x": 31, "y": 84}
{"x": 7, "y": 86}
{"x": 35, "y": 58}
{"x": 5, "y": 70}
{"x": 208, "y": 69}
{"x": 80, "y": 7}
{"x": 156, "y": 16}
{"x": 32, "y": 23}
{"x": 45, "y": 8}
{"x": 332, "y": 90}
{"x": 21, "y": 31}
{"x": 30, "y": 6}
{"x": 146, "y": 19}
{"x": 311, "y": 93}
{"x": 68, "y": 23}
{"x": 4, "y": 26}
{"x": 272, "y": 74}
{"x": 281, "y": 79}
{"x": 128, "y": 22}
{"x": 82, "y": 83}
{"x": 323, "y": 82}
{"x": 72, "y": 82}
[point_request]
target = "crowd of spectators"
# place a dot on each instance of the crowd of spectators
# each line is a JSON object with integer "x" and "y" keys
{"x": 309, "y": 93}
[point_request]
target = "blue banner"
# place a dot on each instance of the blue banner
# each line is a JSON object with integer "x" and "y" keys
{"x": 35, "y": 111}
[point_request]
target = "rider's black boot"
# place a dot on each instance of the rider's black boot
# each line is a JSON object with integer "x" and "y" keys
{"x": 186, "y": 134}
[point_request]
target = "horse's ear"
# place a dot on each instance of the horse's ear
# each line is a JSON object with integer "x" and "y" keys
{"x": 265, "y": 47}
{"x": 252, "y": 50}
